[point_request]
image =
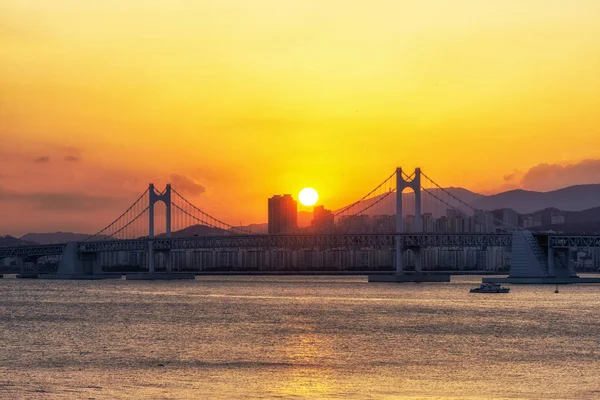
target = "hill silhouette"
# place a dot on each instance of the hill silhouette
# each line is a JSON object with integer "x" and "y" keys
{"x": 572, "y": 198}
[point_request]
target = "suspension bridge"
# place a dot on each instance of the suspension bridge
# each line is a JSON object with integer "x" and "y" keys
{"x": 386, "y": 229}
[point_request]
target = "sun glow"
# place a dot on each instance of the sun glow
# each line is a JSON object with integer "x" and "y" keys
{"x": 308, "y": 196}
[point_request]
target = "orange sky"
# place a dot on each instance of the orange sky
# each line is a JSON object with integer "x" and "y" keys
{"x": 252, "y": 98}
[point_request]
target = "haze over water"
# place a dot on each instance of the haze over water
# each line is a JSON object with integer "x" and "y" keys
{"x": 319, "y": 337}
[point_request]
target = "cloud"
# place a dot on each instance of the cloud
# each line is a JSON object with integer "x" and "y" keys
{"x": 61, "y": 201}
{"x": 42, "y": 159}
{"x": 185, "y": 185}
{"x": 71, "y": 158}
{"x": 553, "y": 176}
{"x": 510, "y": 177}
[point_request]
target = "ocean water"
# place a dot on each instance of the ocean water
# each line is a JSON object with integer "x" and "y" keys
{"x": 296, "y": 337}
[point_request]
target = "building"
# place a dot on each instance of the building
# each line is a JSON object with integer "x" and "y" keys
{"x": 410, "y": 224}
{"x": 283, "y": 214}
{"x": 557, "y": 217}
{"x": 508, "y": 216}
{"x": 428, "y": 223}
{"x": 354, "y": 224}
{"x": 532, "y": 221}
{"x": 384, "y": 223}
{"x": 322, "y": 219}
{"x": 484, "y": 221}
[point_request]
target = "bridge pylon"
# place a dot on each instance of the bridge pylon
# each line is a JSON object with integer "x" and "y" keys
{"x": 155, "y": 197}
{"x": 415, "y": 184}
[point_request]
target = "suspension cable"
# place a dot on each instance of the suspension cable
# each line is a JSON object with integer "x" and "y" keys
{"x": 208, "y": 215}
{"x": 378, "y": 200}
{"x": 365, "y": 196}
{"x": 120, "y": 216}
{"x": 197, "y": 219}
{"x": 130, "y": 222}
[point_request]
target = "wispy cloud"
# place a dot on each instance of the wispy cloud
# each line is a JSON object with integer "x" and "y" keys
{"x": 185, "y": 185}
{"x": 42, "y": 159}
{"x": 71, "y": 158}
{"x": 60, "y": 201}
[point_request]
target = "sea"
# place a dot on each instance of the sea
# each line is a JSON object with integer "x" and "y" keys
{"x": 294, "y": 337}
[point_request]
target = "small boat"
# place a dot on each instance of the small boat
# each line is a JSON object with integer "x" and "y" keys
{"x": 490, "y": 288}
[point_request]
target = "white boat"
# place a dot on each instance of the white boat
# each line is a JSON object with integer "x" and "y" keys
{"x": 490, "y": 288}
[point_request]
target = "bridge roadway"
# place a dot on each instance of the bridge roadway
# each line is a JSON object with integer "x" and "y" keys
{"x": 293, "y": 242}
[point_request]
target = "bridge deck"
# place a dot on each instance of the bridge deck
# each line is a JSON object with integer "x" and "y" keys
{"x": 324, "y": 241}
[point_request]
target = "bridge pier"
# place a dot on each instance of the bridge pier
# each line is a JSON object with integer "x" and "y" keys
{"x": 21, "y": 264}
{"x": 417, "y": 253}
{"x": 529, "y": 264}
{"x": 23, "y": 273}
{"x": 168, "y": 261}
{"x": 551, "y": 269}
{"x": 75, "y": 265}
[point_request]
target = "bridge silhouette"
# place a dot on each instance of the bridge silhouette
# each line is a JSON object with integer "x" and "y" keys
{"x": 145, "y": 231}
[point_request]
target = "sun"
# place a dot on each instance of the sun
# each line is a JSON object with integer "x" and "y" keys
{"x": 308, "y": 196}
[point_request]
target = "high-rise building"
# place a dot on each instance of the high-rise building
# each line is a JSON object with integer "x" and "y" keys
{"x": 428, "y": 222}
{"x": 283, "y": 214}
{"x": 322, "y": 219}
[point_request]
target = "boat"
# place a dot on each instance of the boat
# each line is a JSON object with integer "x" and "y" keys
{"x": 490, "y": 288}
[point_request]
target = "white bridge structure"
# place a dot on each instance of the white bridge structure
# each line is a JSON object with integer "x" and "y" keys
{"x": 146, "y": 231}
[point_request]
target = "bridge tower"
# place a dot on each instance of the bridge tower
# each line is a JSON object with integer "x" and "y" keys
{"x": 401, "y": 184}
{"x": 155, "y": 197}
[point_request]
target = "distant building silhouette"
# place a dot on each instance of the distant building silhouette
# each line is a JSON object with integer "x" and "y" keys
{"x": 384, "y": 223}
{"x": 508, "y": 216}
{"x": 283, "y": 214}
{"x": 322, "y": 219}
{"x": 354, "y": 224}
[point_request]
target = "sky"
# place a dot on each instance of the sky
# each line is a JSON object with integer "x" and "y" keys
{"x": 233, "y": 101}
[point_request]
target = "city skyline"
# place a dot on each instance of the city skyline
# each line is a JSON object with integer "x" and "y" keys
{"x": 235, "y": 100}
{"x": 386, "y": 208}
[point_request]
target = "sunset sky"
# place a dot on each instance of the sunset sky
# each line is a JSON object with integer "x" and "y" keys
{"x": 233, "y": 101}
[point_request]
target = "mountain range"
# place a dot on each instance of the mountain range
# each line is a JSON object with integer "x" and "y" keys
{"x": 572, "y": 198}
{"x": 580, "y": 204}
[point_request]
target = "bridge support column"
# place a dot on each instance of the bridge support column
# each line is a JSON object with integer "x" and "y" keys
{"x": 151, "y": 268}
{"x": 168, "y": 261}
{"x": 417, "y": 253}
{"x": 21, "y": 265}
{"x": 399, "y": 255}
{"x": 240, "y": 259}
{"x": 551, "y": 269}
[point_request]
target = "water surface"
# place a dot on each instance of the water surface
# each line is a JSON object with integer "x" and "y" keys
{"x": 295, "y": 337}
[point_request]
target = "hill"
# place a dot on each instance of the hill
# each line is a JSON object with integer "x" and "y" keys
{"x": 572, "y": 198}
{"x": 10, "y": 241}
{"x": 56, "y": 237}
